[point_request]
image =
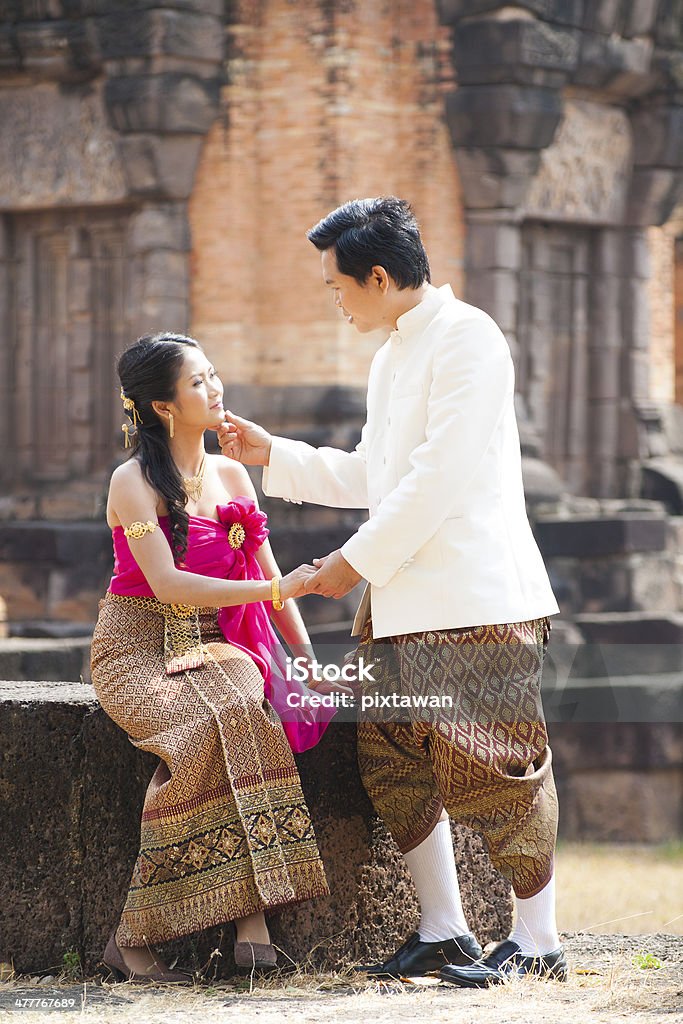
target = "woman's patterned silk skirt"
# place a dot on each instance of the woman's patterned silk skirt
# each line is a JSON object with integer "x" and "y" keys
{"x": 225, "y": 828}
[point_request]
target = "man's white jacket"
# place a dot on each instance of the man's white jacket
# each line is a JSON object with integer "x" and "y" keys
{"x": 448, "y": 543}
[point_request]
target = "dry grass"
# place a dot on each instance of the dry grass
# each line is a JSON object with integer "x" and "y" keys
{"x": 604, "y": 987}
{"x": 635, "y": 890}
{"x": 596, "y": 885}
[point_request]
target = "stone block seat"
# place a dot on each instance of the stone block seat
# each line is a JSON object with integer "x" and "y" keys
{"x": 71, "y": 791}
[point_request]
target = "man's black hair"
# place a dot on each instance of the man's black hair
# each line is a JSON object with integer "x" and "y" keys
{"x": 375, "y": 232}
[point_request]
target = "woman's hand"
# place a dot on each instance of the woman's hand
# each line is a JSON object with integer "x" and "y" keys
{"x": 321, "y": 686}
{"x": 293, "y": 584}
{"x": 324, "y": 687}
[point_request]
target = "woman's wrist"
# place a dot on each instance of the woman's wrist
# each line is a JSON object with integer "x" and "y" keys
{"x": 302, "y": 648}
{"x": 247, "y": 592}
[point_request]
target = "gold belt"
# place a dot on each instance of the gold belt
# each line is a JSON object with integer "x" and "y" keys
{"x": 183, "y": 648}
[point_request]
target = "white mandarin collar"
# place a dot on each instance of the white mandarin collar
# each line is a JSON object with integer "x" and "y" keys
{"x": 413, "y": 322}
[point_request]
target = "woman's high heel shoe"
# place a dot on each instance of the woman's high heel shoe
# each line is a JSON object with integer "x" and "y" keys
{"x": 122, "y": 972}
{"x": 254, "y": 956}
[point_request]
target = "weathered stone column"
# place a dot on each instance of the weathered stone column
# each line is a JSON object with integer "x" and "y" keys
{"x": 159, "y": 242}
{"x": 566, "y": 122}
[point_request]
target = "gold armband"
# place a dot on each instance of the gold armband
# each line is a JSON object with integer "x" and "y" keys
{"x": 278, "y": 603}
{"x": 138, "y": 530}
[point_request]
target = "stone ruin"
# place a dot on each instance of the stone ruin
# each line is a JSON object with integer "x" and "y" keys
{"x": 566, "y": 124}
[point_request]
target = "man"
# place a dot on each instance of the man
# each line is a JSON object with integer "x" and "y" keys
{"x": 458, "y": 592}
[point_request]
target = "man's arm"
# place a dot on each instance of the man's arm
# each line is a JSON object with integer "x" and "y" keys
{"x": 472, "y": 377}
{"x": 322, "y": 476}
{"x": 296, "y": 471}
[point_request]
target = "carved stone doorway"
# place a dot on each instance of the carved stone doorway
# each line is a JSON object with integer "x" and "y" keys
{"x": 553, "y": 318}
{"x": 69, "y": 318}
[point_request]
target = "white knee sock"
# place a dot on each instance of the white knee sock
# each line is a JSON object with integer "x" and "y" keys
{"x": 535, "y": 929}
{"x": 432, "y": 866}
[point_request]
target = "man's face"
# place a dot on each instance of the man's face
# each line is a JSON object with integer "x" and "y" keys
{"x": 363, "y": 305}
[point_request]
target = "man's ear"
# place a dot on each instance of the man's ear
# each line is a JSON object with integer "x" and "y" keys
{"x": 380, "y": 278}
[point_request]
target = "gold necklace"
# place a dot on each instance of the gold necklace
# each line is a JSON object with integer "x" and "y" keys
{"x": 193, "y": 484}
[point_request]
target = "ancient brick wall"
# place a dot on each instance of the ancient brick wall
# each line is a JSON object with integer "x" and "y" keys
{"x": 324, "y": 103}
{"x": 161, "y": 173}
{"x": 103, "y": 104}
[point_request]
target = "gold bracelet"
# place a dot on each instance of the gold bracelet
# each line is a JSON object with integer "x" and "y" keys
{"x": 278, "y": 603}
{"x": 137, "y": 530}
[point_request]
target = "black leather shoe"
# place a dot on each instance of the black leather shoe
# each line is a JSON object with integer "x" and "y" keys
{"x": 415, "y": 958}
{"x": 506, "y": 961}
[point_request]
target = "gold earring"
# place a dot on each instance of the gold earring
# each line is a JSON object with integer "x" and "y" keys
{"x": 171, "y": 431}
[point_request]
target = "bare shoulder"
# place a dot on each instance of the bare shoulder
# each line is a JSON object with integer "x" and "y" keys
{"x": 234, "y": 476}
{"x": 127, "y": 482}
{"x": 128, "y": 474}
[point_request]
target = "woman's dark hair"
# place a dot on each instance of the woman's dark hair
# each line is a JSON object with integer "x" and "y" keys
{"x": 149, "y": 371}
{"x": 375, "y": 232}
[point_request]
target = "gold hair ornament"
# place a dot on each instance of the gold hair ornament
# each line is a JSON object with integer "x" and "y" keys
{"x": 128, "y": 429}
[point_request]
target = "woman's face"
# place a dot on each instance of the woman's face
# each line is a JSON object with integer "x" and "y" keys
{"x": 198, "y": 399}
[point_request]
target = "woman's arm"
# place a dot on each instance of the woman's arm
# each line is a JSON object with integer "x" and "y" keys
{"x": 289, "y": 622}
{"x": 133, "y": 500}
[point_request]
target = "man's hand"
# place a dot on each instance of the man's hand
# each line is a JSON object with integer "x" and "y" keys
{"x": 244, "y": 441}
{"x": 334, "y": 578}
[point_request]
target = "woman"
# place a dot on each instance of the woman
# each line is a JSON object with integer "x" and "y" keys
{"x": 183, "y": 654}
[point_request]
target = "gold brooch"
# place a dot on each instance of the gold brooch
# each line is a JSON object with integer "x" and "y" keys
{"x": 236, "y": 535}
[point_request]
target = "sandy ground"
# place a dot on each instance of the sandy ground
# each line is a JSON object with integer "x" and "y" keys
{"x": 605, "y": 986}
